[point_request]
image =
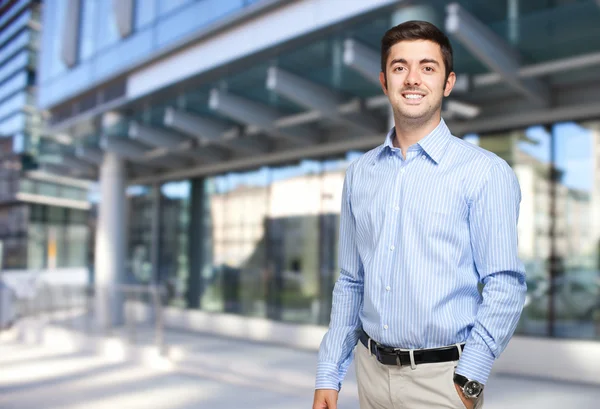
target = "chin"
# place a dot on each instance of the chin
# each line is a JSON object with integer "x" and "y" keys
{"x": 413, "y": 114}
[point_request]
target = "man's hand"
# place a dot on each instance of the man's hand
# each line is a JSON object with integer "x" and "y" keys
{"x": 325, "y": 399}
{"x": 469, "y": 403}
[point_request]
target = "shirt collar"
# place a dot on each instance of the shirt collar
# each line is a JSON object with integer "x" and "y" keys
{"x": 434, "y": 144}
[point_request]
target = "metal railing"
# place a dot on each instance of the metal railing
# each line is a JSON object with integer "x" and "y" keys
{"x": 75, "y": 307}
{"x": 134, "y": 300}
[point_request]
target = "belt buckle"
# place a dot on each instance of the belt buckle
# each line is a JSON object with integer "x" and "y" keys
{"x": 398, "y": 360}
{"x": 411, "y": 353}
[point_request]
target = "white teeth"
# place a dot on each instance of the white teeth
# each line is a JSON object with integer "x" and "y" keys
{"x": 413, "y": 96}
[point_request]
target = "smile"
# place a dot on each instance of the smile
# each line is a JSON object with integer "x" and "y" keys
{"x": 413, "y": 96}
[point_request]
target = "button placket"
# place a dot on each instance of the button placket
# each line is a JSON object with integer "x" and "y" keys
{"x": 392, "y": 236}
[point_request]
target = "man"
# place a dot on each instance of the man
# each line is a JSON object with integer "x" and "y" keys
{"x": 425, "y": 218}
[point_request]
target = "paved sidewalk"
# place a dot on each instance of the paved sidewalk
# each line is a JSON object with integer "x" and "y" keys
{"x": 215, "y": 372}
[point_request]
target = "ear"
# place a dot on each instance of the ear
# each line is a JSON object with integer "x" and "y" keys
{"x": 449, "y": 84}
{"x": 383, "y": 82}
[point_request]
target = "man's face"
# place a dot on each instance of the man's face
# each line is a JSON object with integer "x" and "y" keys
{"x": 416, "y": 81}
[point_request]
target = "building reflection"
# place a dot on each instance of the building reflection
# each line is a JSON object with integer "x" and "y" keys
{"x": 263, "y": 242}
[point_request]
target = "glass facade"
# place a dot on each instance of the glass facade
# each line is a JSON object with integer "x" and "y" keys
{"x": 101, "y": 51}
{"x": 263, "y": 242}
{"x": 269, "y": 236}
{"x": 140, "y": 208}
{"x": 159, "y": 230}
{"x": 36, "y": 236}
{"x": 173, "y": 255}
{"x": 17, "y": 75}
{"x": 557, "y": 168}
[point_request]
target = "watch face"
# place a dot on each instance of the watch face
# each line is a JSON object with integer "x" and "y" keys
{"x": 472, "y": 389}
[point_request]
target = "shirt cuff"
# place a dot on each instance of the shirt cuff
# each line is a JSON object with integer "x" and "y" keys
{"x": 327, "y": 376}
{"x": 475, "y": 363}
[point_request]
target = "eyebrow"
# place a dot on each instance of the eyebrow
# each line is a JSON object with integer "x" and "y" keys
{"x": 423, "y": 61}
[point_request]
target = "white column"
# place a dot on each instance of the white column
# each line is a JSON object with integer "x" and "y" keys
{"x": 110, "y": 241}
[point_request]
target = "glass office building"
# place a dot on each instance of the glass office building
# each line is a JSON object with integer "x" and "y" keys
{"x": 222, "y": 129}
{"x": 43, "y": 221}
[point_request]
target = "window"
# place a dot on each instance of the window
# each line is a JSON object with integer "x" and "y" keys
{"x": 87, "y": 30}
{"x": 145, "y": 13}
{"x": 166, "y": 6}
{"x": 58, "y": 11}
{"x": 107, "y": 33}
{"x": 174, "y": 233}
{"x": 18, "y": 62}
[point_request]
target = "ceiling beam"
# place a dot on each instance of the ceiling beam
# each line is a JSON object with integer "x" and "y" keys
{"x": 211, "y": 131}
{"x": 494, "y": 52}
{"x": 363, "y": 60}
{"x": 90, "y": 154}
{"x": 136, "y": 152}
{"x": 253, "y": 113}
{"x": 154, "y": 136}
{"x": 317, "y": 97}
{"x": 123, "y": 147}
{"x": 78, "y": 164}
{"x": 174, "y": 144}
{"x": 67, "y": 161}
{"x": 578, "y": 105}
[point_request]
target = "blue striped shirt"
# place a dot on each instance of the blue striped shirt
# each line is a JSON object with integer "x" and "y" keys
{"x": 417, "y": 235}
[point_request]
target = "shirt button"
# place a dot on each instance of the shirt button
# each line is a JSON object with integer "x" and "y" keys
{"x": 392, "y": 248}
{"x": 388, "y": 288}
{"x": 401, "y": 170}
{"x": 397, "y": 208}
{"x": 385, "y": 326}
{"x": 423, "y": 157}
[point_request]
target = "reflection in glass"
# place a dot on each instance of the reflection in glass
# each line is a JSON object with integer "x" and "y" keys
{"x": 36, "y": 246}
{"x": 174, "y": 232}
{"x": 139, "y": 260}
{"x": 273, "y": 241}
{"x": 166, "y": 6}
{"x": 528, "y": 153}
{"x": 576, "y": 287}
{"x": 558, "y": 229}
{"x": 58, "y": 8}
{"x": 87, "y": 29}
{"x": 107, "y": 31}
{"x": 145, "y": 12}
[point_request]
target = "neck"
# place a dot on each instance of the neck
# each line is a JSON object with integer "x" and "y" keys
{"x": 409, "y": 131}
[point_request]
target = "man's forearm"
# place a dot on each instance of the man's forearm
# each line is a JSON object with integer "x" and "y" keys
{"x": 496, "y": 321}
{"x": 335, "y": 353}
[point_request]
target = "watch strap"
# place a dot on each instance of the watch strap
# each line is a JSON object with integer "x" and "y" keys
{"x": 461, "y": 381}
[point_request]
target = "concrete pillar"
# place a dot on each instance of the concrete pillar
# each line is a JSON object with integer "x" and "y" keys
{"x": 110, "y": 242}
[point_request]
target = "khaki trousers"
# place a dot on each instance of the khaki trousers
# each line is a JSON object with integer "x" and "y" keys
{"x": 428, "y": 386}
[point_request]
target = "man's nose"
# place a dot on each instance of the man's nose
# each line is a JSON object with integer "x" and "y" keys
{"x": 413, "y": 78}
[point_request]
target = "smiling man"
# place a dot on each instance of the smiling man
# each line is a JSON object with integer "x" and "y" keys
{"x": 425, "y": 218}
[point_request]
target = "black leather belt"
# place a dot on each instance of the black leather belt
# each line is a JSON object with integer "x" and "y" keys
{"x": 393, "y": 356}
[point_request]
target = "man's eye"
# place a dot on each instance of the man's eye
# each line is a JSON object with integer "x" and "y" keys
{"x": 429, "y": 69}
{"x": 399, "y": 68}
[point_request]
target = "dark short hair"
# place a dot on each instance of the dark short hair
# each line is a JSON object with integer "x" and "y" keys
{"x": 416, "y": 30}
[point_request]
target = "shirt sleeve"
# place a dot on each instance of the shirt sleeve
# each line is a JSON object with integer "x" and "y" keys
{"x": 335, "y": 352}
{"x": 493, "y": 217}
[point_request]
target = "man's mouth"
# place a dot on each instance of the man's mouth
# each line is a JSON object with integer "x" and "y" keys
{"x": 412, "y": 96}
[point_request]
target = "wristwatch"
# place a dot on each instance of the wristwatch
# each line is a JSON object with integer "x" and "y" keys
{"x": 472, "y": 389}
